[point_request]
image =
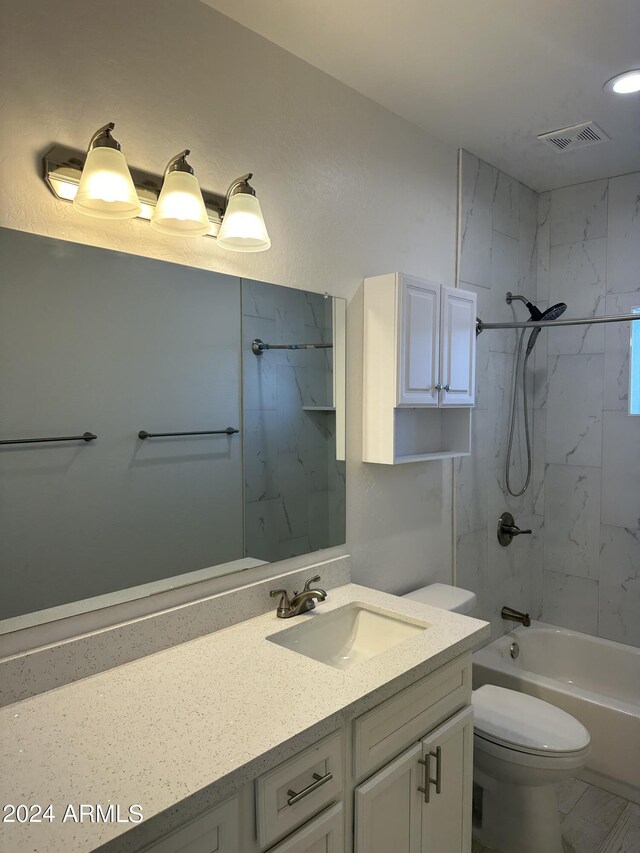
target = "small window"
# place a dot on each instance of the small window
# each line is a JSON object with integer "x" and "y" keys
{"x": 634, "y": 366}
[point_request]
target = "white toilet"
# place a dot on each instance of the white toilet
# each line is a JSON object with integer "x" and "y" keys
{"x": 522, "y": 747}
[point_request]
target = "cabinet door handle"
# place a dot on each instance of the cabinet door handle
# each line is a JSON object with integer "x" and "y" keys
{"x": 428, "y": 781}
{"x": 438, "y": 757}
{"x": 317, "y": 783}
{"x": 438, "y": 387}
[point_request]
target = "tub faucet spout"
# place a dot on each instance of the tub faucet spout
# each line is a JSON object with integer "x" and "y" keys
{"x": 516, "y": 616}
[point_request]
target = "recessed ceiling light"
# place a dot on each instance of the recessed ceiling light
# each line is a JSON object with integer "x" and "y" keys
{"x": 624, "y": 84}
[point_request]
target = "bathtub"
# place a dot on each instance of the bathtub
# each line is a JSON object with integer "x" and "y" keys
{"x": 595, "y": 680}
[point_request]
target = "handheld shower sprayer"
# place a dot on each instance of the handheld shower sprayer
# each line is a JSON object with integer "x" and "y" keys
{"x": 550, "y": 314}
{"x": 537, "y": 315}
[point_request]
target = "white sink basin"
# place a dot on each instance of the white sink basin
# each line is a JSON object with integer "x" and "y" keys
{"x": 349, "y": 635}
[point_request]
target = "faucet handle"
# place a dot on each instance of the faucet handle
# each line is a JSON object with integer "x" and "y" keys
{"x": 284, "y": 605}
{"x": 307, "y": 585}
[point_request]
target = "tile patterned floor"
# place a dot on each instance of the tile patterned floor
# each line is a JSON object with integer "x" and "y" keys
{"x": 592, "y": 820}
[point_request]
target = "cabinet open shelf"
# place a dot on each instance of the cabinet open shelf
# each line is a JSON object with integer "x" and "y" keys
{"x": 429, "y": 433}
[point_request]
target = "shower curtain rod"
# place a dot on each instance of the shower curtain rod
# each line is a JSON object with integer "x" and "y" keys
{"x": 545, "y": 324}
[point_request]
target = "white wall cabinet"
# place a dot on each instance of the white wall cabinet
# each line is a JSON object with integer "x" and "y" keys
{"x": 421, "y": 801}
{"x": 419, "y": 369}
{"x": 458, "y": 347}
{"x": 419, "y": 354}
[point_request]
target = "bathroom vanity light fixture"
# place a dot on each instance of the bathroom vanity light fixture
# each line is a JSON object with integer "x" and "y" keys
{"x": 180, "y": 208}
{"x": 100, "y": 183}
{"x": 106, "y": 188}
{"x": 624, "y": 84}
{"x": 243, "y": 228}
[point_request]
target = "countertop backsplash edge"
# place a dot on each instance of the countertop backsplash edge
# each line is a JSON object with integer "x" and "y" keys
{"x": 38, "y": 670}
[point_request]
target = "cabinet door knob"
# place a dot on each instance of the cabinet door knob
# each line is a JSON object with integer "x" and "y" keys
{"x": 438, "y": 387}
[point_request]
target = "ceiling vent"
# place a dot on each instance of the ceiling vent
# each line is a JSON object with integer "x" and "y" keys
{"x": 576, "y": 136}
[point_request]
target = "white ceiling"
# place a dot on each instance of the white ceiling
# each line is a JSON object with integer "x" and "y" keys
{"x": 485, "y": 75}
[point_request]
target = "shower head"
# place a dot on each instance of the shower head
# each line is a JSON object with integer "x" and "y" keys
{"x": 554, "y": 312}
{"x": 537, "y": 315}
{"x": 549, "y": 315}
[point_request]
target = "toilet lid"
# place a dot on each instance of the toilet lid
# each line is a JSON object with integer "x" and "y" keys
{"x": 524, "y": 723}
{"x": 445, "y": 596}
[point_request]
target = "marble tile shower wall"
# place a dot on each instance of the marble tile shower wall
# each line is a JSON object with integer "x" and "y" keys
{"x": 294, "y": 488}
{"x": 581, "y": 245}
{"x": 589, "y": 257}
{"x": 498, "y": 253}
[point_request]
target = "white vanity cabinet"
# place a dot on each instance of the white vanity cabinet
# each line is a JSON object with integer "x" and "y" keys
{"x": 324, "y": 834}
{"x": 216, "y": 831}
{"x": 362, "y": 788}
{"x": 419, "y": 369}
{"x": 421, "y": 801}
{"x": 446, "y": 808}
{"x": 296, "y": 790}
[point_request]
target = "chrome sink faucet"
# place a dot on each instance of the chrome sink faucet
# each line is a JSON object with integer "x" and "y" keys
{"x": 301, "y": 602}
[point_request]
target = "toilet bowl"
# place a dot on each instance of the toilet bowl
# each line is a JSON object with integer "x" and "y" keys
{"x": 523, "y": 746}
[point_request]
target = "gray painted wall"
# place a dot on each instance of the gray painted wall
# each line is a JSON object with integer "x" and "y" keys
{"x": 112, "y": 343}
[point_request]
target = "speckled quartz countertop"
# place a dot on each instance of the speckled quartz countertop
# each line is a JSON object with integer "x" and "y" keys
{"x": 205, "y": 716}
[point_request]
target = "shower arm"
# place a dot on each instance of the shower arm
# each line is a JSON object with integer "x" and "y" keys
{"x": 542, "y": 324}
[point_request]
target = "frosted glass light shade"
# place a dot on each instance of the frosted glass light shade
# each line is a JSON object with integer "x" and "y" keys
{"x": 243, "y": 228}
{"x": 106, "y": 189}
{"x": 180, "y": 209}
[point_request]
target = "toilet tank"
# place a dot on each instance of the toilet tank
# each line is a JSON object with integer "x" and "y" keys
{"x": 445, "y": 596}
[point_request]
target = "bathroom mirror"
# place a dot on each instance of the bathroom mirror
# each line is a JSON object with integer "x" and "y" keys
{"x": 145, "y": 443}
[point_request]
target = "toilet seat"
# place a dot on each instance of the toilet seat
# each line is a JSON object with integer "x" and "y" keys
{"x": 515, "y": 721}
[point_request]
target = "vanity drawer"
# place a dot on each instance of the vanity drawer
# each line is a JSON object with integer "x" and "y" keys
{"x": 216, "y": 831}
{"x": 296, "y": 790}
{"x": 324, "y": 833}
{"x": 382, "y": 733}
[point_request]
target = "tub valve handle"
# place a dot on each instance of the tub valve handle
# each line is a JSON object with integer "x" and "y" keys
{"x": 507, "y": 529}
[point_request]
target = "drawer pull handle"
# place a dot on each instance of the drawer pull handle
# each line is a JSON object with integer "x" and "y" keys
{"x": 428, "y": 781}
{"x": 319, "y": 781}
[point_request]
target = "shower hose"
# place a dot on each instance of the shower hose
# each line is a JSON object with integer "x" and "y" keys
{"x": 514, "y": 404}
